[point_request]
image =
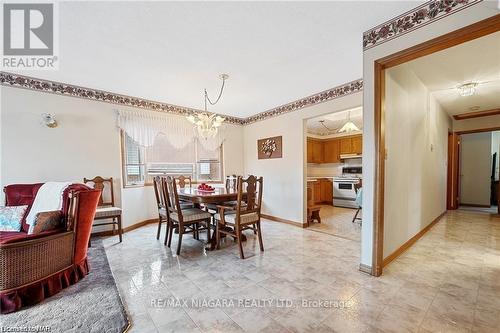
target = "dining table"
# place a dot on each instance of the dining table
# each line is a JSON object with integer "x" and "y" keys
{"x": 218, "y": 196}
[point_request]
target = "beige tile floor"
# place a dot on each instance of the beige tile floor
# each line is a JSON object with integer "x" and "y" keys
{"x": 337, "y": 221}
{"x": 449, "y": 281}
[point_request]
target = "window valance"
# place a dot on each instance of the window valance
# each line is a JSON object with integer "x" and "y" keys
{"x": 144, "y": 126}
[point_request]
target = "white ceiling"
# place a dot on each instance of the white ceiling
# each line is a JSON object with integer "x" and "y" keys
{"x": 474, "y": 61}
{"x": 274, "y": 52}
{"x": 334, "y": 121}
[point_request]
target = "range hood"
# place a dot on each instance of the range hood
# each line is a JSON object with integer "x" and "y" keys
{"x": 349, "y": 156}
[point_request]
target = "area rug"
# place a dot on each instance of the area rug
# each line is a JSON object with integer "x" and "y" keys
{"x": 91, "y": 305}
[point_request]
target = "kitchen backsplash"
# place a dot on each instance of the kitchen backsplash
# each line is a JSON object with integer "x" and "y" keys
{"x": 330, "y": 169}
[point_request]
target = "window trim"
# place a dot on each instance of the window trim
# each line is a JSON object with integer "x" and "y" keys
{"x": 145, "y": 184}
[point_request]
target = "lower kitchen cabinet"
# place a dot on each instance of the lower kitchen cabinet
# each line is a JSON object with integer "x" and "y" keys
{"x": 322, "y": 191}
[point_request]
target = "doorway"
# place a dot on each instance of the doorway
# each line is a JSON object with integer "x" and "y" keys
{"x": 334, "y": 173}
{"x": 475, "y": 171}
{"x": 381, "y": 67}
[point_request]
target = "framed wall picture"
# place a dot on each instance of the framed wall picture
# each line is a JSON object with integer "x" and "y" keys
{"x": 270, "y": 148}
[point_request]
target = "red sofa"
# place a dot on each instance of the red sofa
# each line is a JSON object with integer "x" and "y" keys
{"x": 34, "y": 267}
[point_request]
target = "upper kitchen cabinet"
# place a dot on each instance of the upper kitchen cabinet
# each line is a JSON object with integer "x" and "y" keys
{"x": 315, "y": 151}
{"x": 329, "y": 150}
{"x": 351, "y": 145}
{"x": 332, "y": 151}
{"x": 357, "y": 144}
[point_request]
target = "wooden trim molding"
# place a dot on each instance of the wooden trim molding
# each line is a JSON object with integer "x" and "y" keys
{"x": 465, "y": 34}
{"x": 279, "y": 219}
{"x": 59, "y": 88}
{"x": 411, "y": 241}
{"x": 478, "y": 114}
{"x": 126, "y": 229}
{"x": 416, "y": 18}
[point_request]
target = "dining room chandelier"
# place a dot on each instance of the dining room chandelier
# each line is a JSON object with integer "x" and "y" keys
{"x": 207, "y": 123}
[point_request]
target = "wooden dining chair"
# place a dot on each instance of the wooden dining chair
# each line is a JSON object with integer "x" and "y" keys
{"x": 230, "y": 184}
{"x": 106, "y": 208}
{"x": 182, "y": 181}
{"x": 161, "y": 203}
{"x": 184, "y": 220}
{"x": 246, "y": 214}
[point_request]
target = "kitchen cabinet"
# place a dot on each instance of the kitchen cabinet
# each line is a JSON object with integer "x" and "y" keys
{"x": 357, "y": 144}
{"x": 309, "y": 151}
{"x": 321, "y": 191}
{"x": 315, "y": 151}
{"x": 351, "y": 145}
{"x": 331, "y": 151}
{"x": 316, "y": 192}
{"x": 326, "y": 189}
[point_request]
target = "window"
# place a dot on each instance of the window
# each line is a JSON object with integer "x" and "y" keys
{"x": 133, "y": 161}
{"x": 142, "y": 164}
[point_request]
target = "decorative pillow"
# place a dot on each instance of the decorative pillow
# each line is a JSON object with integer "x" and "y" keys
{"x": 45, "y": 221}
{"x": 11, "y": 217}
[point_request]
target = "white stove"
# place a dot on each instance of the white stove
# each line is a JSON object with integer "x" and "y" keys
{"x": 344, "y": 194}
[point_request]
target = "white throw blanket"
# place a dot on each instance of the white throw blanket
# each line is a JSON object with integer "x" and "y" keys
{"x": 48, "y": 198}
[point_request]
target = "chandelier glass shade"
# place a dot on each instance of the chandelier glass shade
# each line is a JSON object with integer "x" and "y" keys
{"x": 206, "y": 124}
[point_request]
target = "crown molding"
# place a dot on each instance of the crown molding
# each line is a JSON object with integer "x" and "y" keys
{"x": 416, "y": 18}
{"x": 59, "y": 88}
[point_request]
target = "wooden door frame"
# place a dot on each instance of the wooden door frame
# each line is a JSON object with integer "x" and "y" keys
{"x": 468, "y": 33}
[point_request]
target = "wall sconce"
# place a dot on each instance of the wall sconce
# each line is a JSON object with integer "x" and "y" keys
{"x": 49, "y": 120}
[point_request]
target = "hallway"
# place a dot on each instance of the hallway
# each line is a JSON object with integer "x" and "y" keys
{"x": 449, "y": 281}
{"x": 453, "y": 275}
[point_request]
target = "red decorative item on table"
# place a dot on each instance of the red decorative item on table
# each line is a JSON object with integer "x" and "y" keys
{"x": 205, "y": 188}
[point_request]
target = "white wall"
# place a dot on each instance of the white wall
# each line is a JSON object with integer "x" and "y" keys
{"x": 475, "y": 168}
{"x": 285, "y": 178}
{"x": 86, "y": 143}
{"x": 444, "y": 25}
{"x": 416, "y": 165}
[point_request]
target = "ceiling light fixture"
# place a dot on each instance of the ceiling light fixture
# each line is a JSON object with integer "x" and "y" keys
{"x": 349, "y": 126}
{"x": 206, "y": 123}
{"x": 467, "y": 89}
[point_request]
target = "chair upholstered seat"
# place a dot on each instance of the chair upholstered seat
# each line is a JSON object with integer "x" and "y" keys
{"x": 103, "y": 212}
{"x": 230, "y": 217}
{"x": 191, "y": 214}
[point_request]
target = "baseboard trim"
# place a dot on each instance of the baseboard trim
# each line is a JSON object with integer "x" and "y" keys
{"x": 279, "y": 219}
{"x": 474, "y": 205}
{"x": 126, "y": 229}
{"x": 365, "y": 269}
{"x": 411, "y": 241}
